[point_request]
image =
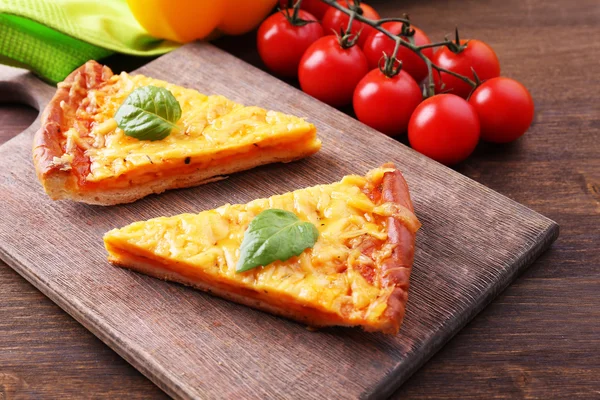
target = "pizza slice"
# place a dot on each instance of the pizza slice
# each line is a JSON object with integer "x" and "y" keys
{"x": 354, "y": 271}
{"x": 109, "y": 139}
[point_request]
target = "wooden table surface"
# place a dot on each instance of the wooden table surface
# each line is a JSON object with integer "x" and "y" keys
{"x": 538, "y": 339}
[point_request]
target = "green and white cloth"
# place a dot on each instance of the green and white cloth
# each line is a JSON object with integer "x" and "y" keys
{"x": 53, "y": 37}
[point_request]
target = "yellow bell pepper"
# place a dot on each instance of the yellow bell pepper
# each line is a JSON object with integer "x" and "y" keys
{"x": 187, "y": 20}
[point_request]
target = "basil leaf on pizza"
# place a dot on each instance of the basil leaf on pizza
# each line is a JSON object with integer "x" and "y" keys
{"x": 148, "y": 113}
{"x": 274, "y": 235}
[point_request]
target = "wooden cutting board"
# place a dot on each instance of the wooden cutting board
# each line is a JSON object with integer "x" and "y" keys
{"x": 473, "y": 243}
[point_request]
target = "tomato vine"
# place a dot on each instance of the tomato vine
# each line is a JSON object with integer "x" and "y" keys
{"x": 391, "y": 63}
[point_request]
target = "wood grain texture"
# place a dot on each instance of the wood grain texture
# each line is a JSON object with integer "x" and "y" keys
{"x": 536, "y": 340}
{"x": 472, "y": 245}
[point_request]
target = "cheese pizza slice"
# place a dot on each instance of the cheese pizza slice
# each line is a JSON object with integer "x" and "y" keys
{"x": 109, "y": 139}
{"x": 354, "y": 271}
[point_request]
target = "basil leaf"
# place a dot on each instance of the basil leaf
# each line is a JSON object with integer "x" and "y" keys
{"x": 275, "y": 235}
{"x": 148, "y": 113}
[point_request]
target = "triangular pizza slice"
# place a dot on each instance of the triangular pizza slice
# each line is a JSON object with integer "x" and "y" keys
{"x": 91, "y": 149}
{"x": 355, "y": 272}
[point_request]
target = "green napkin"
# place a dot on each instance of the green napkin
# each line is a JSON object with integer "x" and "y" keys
{"x": 53, "y": 37}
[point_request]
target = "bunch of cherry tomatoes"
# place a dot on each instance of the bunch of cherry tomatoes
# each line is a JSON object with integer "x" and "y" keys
{"x": 342, "y": 64}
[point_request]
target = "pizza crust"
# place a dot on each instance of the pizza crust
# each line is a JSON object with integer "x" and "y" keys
{"x": 398, "y": 266}
{"x": 58, "y": 181}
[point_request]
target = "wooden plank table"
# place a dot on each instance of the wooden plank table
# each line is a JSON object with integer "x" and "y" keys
{"x": 538, "y": 339}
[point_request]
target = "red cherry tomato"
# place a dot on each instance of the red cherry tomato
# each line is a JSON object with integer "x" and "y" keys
{"x": 282, "y": 44}
{"x": 315, "y": 7}
{"x": 505, "y": 109}
{"x": 444, "y": 127}
{"x": 477, "y": 55}
{"x": 379, "y": 43}
{"x": 336, "y": 21}
{"x": 330, "y": 73}
{"x": 386, "y": 104}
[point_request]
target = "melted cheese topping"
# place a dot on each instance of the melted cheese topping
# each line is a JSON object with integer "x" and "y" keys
{"x": 209, "y": 125}
{"x": 328, "y": 277}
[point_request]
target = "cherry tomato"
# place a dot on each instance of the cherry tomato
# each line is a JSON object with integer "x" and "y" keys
{"x": 282, "y": 44}
{"x": 505, "y": 109}
{"x": 477, "y": 55}
{"x": 330, "y": 73}
{"x": 379, "y": 43}
{"x": 444, "y": 127}
{"x": 315, "y": 7}
{"x": 336, "y": 20}
{"x": 386, "y": 104}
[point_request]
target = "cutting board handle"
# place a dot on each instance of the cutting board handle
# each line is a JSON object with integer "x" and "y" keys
{"x": 21, "y": 86}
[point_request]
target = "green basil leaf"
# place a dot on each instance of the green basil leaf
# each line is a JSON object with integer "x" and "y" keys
{"x": 148, "y": 113}
{"x": 275, "y": 235}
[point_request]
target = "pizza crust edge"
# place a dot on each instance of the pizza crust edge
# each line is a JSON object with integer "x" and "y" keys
{"x": 55, "y": 175}
{"x": 398, "y": 267}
